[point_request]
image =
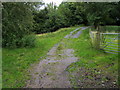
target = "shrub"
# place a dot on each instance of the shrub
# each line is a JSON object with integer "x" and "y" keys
{"x": 17, "y": 22}
{"x": 28, "y": 41}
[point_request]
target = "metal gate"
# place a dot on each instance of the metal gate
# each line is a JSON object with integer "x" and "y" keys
{"x": 110, "y": 42}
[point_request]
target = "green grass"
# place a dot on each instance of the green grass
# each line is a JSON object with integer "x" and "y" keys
{"x": 16, "y": 62}
{"x": 91, "y": 58}
{"x": 113, "y": 44}
{"x": 108, "y": 43}
{"x": 112, "y": 29}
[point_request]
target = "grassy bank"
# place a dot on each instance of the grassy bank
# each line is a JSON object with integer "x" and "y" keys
{"x": 16, "y": 62}
{"x": 115, "y": 29}
{"x": 94, "y": 68}
{"x": 111, "y": 29}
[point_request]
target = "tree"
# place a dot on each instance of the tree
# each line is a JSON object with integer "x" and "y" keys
{"x": 98, "y": 13}
{"x": 40, "y": 18}
{"x": 115, "y": 13}
{"x": 72, "y": 12}
{"x": 17, "y": 22}
{"x": 75, "y": 13}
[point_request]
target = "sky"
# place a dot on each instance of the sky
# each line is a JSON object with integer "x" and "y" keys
{"x": 57, "y": 2}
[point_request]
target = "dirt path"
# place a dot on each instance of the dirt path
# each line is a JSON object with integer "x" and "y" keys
{"x": 51, "y": 72}
{"x": 79, "y": 31}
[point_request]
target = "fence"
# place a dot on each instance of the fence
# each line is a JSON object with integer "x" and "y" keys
{"x": 107, "y": 41}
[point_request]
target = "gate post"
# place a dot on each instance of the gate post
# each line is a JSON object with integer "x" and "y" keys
{"x": 97, "y": 40}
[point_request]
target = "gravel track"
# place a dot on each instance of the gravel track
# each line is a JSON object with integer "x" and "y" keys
{"x": 51, "y": 71}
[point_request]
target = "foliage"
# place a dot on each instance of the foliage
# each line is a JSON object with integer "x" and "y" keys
{"x": 17, "y": 22}
{"x": 39, "y": 21}
{"x": 28, "y": 41}
{"x": 67, "y": 14}
{"x": 52, "y": 17}
{"x": 98, "y": 13}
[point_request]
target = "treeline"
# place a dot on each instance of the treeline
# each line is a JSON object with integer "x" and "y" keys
{"x": 22, "y": 19}
{"x": 67, "y": 14}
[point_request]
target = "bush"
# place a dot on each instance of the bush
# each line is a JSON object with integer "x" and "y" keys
{"x": 28, "y": 41}
{"x": 17, "y": 22}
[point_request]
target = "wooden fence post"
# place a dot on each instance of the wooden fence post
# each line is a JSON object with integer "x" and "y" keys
{"x": 97, "y": 40}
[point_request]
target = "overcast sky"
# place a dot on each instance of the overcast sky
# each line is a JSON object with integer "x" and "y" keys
{"x": 57, "y": 2}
